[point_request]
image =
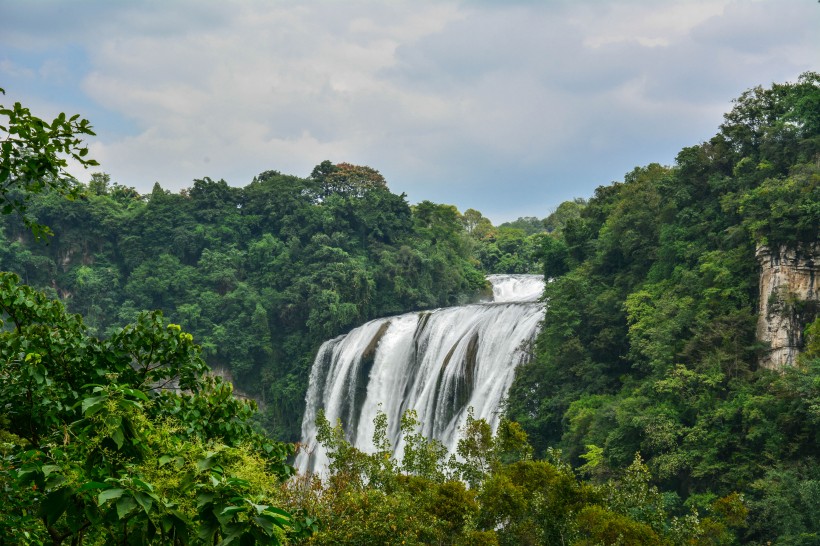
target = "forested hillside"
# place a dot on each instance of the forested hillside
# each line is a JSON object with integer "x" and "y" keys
{"x": 261, "y": 275}
{"x": 649, "y": 339}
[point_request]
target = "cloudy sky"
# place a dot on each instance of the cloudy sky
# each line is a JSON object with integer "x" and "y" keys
{"x": 509, "y": 107}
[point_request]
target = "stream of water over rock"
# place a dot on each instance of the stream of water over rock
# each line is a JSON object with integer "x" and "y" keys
{"x": 438, "y": 362}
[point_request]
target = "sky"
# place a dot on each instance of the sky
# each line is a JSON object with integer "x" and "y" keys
{"x": 508, "y": 107}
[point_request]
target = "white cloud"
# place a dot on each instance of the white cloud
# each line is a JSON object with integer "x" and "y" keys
{"x": 10, "y": 69}
{"x": 493, "y": 106}
{"x": 271, "y": 81}
{"x": 650, "y": 25}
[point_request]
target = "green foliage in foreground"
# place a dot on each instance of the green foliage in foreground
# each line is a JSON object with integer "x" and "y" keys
{"x": 126, "y": 440}
{"x": 511, "y": 499}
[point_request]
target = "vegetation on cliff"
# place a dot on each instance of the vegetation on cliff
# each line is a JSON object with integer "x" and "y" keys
{"x": 649, "y": 339}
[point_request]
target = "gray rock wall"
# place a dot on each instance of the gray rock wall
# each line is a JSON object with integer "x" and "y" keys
{"x": 788, "y": 301}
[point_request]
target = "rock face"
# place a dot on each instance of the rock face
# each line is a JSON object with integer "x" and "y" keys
{"x": 788, "y": 301}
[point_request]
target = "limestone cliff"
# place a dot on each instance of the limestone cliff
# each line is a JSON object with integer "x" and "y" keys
{"x": 788, "y": 301}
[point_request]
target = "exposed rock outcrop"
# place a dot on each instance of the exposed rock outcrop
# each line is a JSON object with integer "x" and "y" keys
{"x": 788, "y": 301}
{"x": 227, "y": 376}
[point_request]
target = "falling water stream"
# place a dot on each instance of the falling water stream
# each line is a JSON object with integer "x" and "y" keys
{"x": 438, "y": 362}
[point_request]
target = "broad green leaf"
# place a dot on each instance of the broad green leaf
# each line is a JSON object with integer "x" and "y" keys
{"x": 136, "y": 393}
{"x": 145, "y": 501}
{"x": 92, "y": 485}
{"x": 202, "y": 499}
{"x": 118, "y": 436}
{"x": 144, "y": 485}
{"x": 260, "y": 507}
{"x": 49, "y": 468}
{"x": 231, "y": 534}
{"x": 275, "y": 519}
{"x": 125, "y": 505}
{"x": 230, "y": 510}
{"x": 206, "y": 463}
{"x": 265, "y": 524}
{"x": 207, "y": 530}
{"x": 226, "y": 514}
{"x": 279, "y": 512}
{"x": 93, "y": 404}
{"x": 128, "y": 404}
{"x": 109, "y": 494}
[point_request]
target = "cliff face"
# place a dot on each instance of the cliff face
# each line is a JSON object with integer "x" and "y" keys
{"x": 788, "y": 301}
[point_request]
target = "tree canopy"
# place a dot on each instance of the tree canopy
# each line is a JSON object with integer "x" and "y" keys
{"x": 649, "y": 340}
{"x": 33, "y": 156}
{"x": 127, "y": 440}
{"x": 260, "y": 275}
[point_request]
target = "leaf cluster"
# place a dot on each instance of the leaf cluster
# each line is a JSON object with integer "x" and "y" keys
{"x": 33, "y": 156}
{"x": 126, "y": 440}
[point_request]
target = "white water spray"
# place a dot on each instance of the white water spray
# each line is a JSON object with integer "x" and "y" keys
{"x": 438, "y": 362}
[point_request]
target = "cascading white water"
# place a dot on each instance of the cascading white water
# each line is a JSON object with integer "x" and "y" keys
{"x": 521, "y": 288}
{"x": 438, "y": 362}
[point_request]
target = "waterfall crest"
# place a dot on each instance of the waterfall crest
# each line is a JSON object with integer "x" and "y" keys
{"x": 518, "y": 288}
{"x": 438, "y": 362}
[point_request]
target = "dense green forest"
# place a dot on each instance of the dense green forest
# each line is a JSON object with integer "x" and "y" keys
{"x": 643, "y": 417}
{"x": 261, "y": 275}
{"x": 649, "y": 339}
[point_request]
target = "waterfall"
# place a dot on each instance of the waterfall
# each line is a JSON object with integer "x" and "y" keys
{"x": 520, "y": 288}
{"x": 438, "y": 362}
